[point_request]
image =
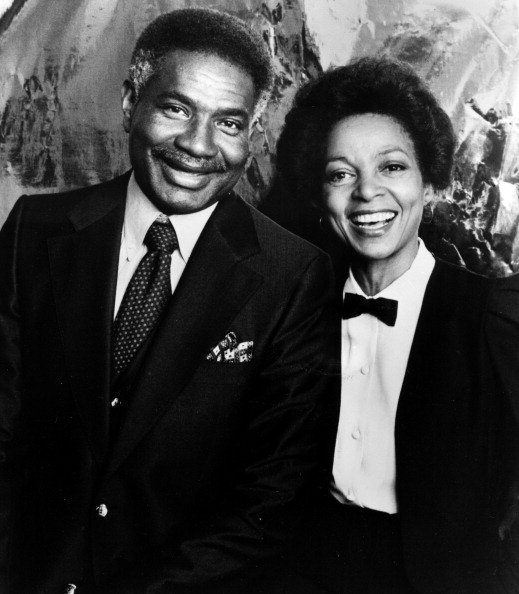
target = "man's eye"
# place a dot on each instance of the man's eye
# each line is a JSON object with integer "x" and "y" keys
{"x": 230, "y": 126}
{"x": 175, "y": 110}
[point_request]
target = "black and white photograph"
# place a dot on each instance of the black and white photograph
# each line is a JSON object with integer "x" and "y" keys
{"x": 259, "y": 297}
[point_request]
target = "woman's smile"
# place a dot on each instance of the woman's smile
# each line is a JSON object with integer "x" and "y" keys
{"x": 370, "y": 222}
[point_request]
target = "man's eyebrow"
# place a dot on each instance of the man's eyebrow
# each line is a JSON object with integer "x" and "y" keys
{"x": 225, "y": 111}
{"x": 233, "y": 111}
{"x": 174, "y": 95}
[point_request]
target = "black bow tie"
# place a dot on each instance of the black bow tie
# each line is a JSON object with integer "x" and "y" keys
{"x": 383, "y": 309}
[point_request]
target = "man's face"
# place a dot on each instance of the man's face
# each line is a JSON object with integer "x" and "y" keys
{"x": 189, "y": 130}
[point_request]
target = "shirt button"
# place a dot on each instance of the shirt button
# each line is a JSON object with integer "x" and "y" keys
{"x": 115, "y": 402}
{"x": 364, "y": 369}
{"x": 102, "y": 510}
{"x": 356, "y": 433}
{"x": 70, "y": 588}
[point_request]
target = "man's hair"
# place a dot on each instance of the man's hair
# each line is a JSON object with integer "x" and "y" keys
{"x": 205, "y": 31}
{"x": 367, "y": 85}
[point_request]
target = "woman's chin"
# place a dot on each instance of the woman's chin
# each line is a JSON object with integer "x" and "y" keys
{"x": 372, "y": 248}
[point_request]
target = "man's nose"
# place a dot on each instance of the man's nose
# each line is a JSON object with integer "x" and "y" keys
{"x": 197, "y": 139}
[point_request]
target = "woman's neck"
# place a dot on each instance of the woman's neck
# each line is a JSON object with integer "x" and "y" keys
{"x": 374, "y": 276}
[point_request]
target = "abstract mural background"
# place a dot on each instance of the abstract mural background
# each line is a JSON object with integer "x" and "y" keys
{"x": 63, "y": 61}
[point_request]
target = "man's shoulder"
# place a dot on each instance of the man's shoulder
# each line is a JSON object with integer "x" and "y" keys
{"x": 75, "y": 195}
{"x": 278, "y": 243}
{"x": 47, "y": 208}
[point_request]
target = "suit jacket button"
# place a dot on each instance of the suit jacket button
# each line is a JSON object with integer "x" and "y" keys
{"x": 70, "y": 588}
{"x": 101, "y": 510}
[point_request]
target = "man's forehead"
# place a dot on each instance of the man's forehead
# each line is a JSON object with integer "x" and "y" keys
{"x": 199, "y": 58}
{"x": 212, "y": 75}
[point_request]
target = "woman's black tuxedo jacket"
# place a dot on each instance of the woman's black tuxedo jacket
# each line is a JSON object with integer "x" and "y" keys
{"x": 457, "y": 436}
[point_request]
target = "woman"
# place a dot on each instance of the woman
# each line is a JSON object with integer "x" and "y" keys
{"x": 426, "y": 440}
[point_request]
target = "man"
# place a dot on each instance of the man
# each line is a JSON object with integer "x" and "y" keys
{"x": 158, "y": 443}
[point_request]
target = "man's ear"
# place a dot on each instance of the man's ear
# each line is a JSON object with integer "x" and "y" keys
{"x": 128, "y": 101}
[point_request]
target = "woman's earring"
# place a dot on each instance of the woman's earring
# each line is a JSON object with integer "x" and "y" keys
{"x": 427, "y": 214}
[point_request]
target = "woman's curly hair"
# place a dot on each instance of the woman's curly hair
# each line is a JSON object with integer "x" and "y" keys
{"x": 367, "y": 85}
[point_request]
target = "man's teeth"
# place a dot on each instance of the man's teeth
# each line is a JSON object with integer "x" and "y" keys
{"x": 373, "y": 219}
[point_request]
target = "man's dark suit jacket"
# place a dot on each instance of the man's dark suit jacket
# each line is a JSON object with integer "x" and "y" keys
{"x": 456, "y": 435}
{"x": 211, "y": 463}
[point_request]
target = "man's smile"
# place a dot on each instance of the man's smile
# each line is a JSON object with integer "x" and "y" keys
{"x": 182, "y": 162}
{"x": 183, "y": 177}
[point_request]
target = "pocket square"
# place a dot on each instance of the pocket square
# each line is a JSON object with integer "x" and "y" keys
{"x": 229, "y": 350}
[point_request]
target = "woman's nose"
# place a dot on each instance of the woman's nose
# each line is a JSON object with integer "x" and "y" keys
{"x": 197, "y": 139}
{"x": 367, "y": 188}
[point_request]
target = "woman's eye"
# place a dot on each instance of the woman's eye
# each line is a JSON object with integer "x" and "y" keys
{"x": 393, "y": 167}
{"x": 339, "y": 177}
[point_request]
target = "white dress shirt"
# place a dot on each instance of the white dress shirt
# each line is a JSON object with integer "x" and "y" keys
{"x": 374, "y": 359}
{"x": 138, "y": 217}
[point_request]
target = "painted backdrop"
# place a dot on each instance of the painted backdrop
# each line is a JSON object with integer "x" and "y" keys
{"x": 63, "y": 62}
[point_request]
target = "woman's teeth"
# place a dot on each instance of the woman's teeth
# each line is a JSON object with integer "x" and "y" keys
{"x": 372, "y": 220}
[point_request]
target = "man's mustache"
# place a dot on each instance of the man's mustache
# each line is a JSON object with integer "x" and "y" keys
{"x": 181, "y": 160}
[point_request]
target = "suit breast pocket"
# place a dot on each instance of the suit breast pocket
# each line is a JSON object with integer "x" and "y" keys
{"x": 213, "y": 372}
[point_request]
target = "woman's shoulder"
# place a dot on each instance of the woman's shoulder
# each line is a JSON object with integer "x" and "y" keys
{"x": 459, "y": 271}
{"x": 504, "y": 298}
{"x": 458, "y": 292}
{"x": 461, "y": 280}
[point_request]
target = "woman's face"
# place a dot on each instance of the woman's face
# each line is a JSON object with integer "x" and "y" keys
{"x": 372, "y": 190}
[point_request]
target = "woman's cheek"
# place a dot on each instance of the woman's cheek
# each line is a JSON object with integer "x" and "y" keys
{"x": 338, "y": 224}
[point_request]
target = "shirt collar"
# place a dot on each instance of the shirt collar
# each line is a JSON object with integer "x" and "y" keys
{"x": 406, "y": 286}
{"x": 141, "y": 212}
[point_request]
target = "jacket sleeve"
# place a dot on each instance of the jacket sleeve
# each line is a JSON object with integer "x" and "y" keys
{"x": 280, "y": 456}
{"x": 502, "y": 334}
{"x": 10, "y": 374}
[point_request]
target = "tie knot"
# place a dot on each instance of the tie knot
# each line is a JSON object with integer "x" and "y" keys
{"x": 161, "y": 237}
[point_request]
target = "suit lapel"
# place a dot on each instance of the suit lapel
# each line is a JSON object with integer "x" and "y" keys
{"x": 435, "y": 309}
{"x": 84, "y": 272}
{"x": 451, "y": 308}
{"x": 215, "y": 285}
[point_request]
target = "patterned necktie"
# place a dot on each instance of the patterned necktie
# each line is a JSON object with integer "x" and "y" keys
{"x": 148, "y": 292}
{"x": 383, "y": 309}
